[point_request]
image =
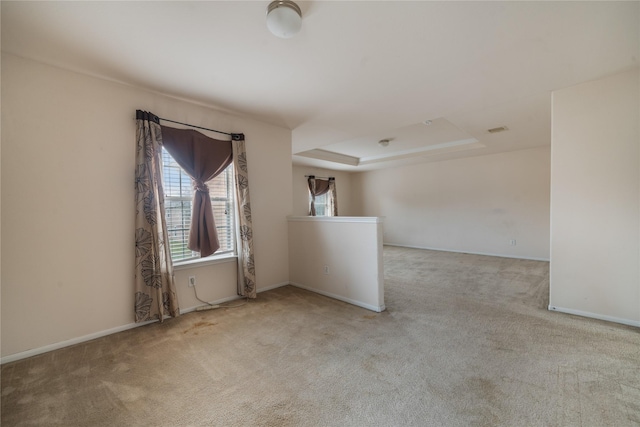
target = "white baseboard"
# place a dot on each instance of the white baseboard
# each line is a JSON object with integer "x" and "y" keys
{"x": 219, "y": 301}
{"x": 628, "y": 322}
{"x": 467, "y": 252}
{"x": 268, "y": 288}
{"x": 100, "y": 334}
{"x": 377, "y": 309}
{"x": 73, "y": 341}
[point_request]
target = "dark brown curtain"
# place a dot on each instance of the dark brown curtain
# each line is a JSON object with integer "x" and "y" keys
{"x": 202, "y": 158}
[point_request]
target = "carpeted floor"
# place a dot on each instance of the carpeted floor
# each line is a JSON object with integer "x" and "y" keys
{"x": 466, "y": 341}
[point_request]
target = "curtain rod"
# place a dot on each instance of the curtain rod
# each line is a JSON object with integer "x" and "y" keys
{"x": 321, "y": 177}
{"x": 194, "y": 126}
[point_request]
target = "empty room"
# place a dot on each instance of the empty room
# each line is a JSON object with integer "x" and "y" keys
{"x": 320, "y": 213}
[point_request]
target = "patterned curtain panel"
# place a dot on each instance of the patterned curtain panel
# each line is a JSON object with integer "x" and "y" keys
{"x": 333, "y": 198}
{"x": 246, "y": 268}
{"x": 155, "y": 292}
{"x": 311, "y": 184}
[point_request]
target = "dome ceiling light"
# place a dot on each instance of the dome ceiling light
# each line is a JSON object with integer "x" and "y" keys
{"x": 284, "y": 18}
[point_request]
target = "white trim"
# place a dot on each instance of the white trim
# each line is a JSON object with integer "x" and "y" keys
{"x": 330, "y": 156}
{"x": 628, "y": 322}
{"x": 467, "y": 252}
{"x": 202, "y": 262}
{"x": 352, "y": 219}
{"x": 431, "y": 150}
{"x": 100, "y": 334}
{"x": 216, "y": 302}
{"x": 268, "y": 288}
{"x": 73, "y": 341}
{"x": 445, "y": 147}
{"x": 377, "y": 309}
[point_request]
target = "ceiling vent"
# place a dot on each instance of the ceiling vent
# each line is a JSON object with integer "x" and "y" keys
{"x": 498, "y": 129}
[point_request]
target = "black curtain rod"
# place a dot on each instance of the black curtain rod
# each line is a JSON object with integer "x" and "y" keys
{"x": 198, "y": 127}
{"x": 145, "y": 115}
{"x": 321, "y": 177}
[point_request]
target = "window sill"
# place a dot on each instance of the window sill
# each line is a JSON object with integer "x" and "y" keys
{"x": 192, "y": 263}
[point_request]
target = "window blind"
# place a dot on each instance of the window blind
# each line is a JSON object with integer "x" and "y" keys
{"x": 178, "y": 191}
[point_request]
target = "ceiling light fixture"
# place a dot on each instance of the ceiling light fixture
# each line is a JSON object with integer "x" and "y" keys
{"x": 383, "y": 142}
{"x": 284, "y": 18}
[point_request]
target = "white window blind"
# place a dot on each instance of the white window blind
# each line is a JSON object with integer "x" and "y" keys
{"x": 321, "y": 204}
{"x": 178, "y": 192}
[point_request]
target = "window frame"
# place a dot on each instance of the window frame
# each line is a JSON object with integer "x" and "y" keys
{"x": 325, "y": 203}
{"x": 219, "y": 256}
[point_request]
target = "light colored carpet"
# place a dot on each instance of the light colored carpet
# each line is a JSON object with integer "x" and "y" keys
{"x": 466, "y": 341}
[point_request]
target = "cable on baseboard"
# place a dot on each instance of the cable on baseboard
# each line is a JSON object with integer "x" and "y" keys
{"x": 212, "y": 306}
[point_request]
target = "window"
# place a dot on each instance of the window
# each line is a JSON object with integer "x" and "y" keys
{"x": 178, "y": 192}
{"x": 322, "y": 196}
{"x": 321, "y": 205}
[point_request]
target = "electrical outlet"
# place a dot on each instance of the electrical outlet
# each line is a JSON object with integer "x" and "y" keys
{"x": 192, "y": 281}
{"x": 512, "y": 242}
{"x": 325, "y": 269}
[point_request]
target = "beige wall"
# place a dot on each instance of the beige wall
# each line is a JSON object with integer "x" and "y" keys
{"x": 340, "y": 257}
{"x": 475, "y": 204}
{"x": 68, "y": 144}
{"x": 301, "y": 192}
{"x": 595, "y": 199}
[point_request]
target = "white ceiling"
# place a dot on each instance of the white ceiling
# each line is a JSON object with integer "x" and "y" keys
{"x": 358, "y": 72}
